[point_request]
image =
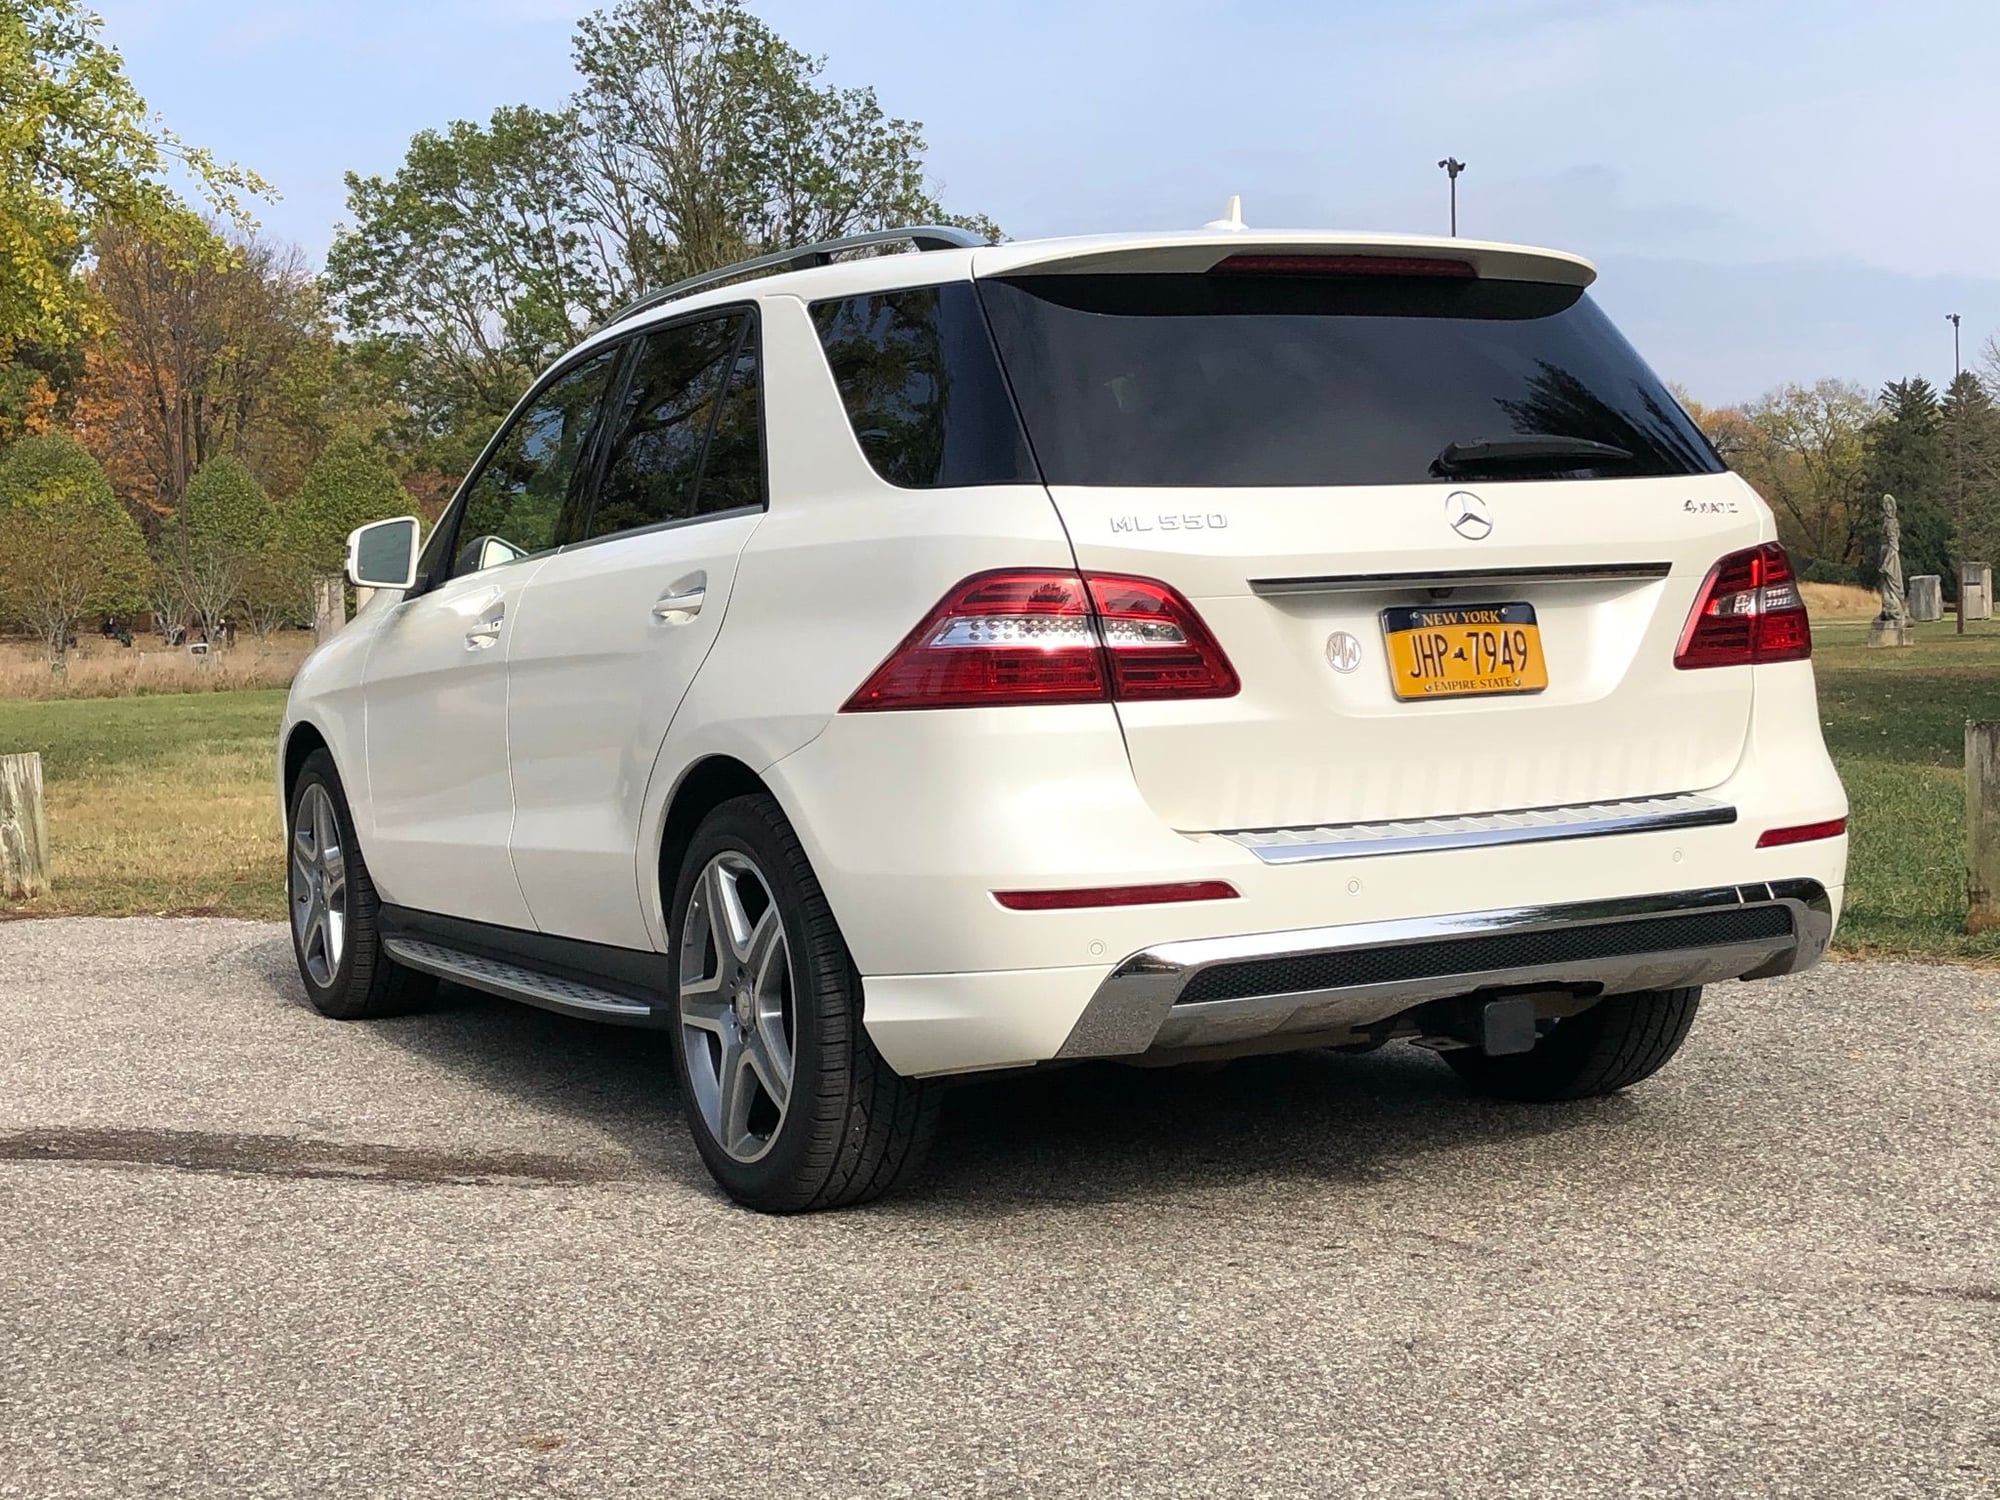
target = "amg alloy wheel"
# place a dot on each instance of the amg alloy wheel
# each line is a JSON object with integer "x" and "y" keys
{"x": 736, "y": 1007}
{"x": 336, "y": 927}
{"x": 318, "y": 886}
{"x": 791, "y": 1106}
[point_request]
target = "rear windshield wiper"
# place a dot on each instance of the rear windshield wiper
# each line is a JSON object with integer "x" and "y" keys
{"x": 1531, "y": 450}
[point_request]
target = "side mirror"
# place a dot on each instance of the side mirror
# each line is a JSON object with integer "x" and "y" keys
{"x": 383, "y": 554}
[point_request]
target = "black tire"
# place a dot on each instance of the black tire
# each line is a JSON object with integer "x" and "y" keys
{"x": 365, "y": 982}
{"x": 1611, "y": 1046}
{"x": 852, "y": 1128}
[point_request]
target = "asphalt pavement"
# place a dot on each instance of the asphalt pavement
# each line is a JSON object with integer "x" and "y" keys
{"x": 245, "y": 1251}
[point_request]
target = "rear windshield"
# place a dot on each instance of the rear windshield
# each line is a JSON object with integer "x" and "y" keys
{"x": 1219, "y": 380}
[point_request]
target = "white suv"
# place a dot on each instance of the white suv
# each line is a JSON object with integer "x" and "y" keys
{"x": 1162, "y": 648}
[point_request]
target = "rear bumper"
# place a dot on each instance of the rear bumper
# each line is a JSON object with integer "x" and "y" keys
{"x": 1225, "y": 991}
{"x": 1271, "y": 991}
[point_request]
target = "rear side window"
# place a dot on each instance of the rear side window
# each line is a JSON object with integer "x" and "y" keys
{"x": 1228, "y": 380}
{"x": 918, "y": 377}
{"x": 692, "y": 393}
{"x": 529, "y": 495}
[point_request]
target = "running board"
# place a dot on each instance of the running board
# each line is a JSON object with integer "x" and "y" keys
{"x": 571, "y": 997}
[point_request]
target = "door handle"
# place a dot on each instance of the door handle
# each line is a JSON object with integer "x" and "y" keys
{"x": 487, "y": 632}
{"x": 680, "y": 606}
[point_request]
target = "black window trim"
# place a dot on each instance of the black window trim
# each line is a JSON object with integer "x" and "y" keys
{"x": 753, "y": 328}
{"x": 454, "y": 513}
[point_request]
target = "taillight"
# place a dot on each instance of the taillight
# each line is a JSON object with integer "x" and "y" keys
{"x": 1021, "y": 636}
{"x": 1748, "y": 612}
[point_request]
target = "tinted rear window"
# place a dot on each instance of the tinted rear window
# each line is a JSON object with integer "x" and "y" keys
{"x": 917, "y": 375}
{"x": 1288, "y": 380}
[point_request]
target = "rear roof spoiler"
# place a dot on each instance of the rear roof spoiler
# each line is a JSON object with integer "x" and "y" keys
{"x": 1199, "y": 250}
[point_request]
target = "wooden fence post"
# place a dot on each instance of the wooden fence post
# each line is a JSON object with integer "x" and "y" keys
{"x": 1982, "y": 825}
{"x": 329, "y": 608}
{"x": 24, "y": 829}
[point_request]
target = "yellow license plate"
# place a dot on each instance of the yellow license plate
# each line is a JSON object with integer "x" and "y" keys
{"x": 1459, "y": 651}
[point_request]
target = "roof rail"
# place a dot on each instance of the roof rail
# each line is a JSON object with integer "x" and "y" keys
{"x": 802, "y": 258}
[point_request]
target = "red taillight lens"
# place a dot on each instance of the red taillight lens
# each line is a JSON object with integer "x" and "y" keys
{"x": 1801, "y": 833}
{"x": 1117, "y": 895}
{"x": 1019, "y": 637}
{"x": 1156, "y": 643}
{"x": 1342, "y": 265}
{"x": 1748, "y": 612}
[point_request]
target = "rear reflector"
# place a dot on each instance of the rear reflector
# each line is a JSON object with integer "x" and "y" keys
{"x": 1117, "y": 895}
{"x": 1033, "y": 636}
{"x": 1801, "y": 833}
{"x": 1342, "y": 265}
{"x": 1748, "y": 612}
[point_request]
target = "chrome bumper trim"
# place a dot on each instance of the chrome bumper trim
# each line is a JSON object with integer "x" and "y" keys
{"x": 1587, "y": 820}
{"x": 1138, "y": 1006}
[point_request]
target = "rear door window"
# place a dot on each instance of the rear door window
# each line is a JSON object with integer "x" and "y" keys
{"x": 1246, "y": 380}
{"x": 688, "y": 381}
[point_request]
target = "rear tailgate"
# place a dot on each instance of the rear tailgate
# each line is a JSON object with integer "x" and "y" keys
{"x": 1304, "y": 443}
{"x": 1318, "y": 735}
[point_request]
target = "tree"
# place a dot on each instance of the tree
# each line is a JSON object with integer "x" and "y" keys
{"x": 1906, "y": 458}
{"x": 468, "y": 271}
{"x": 67, "y": 548}
{"x": 349, "y": 485}
{"x": 697, "y": 136}
{"x": 1970, "y": 431}
{"x": 224, "y": 522}
{"x": 214, "y": 348}
{"x": 1805, "y": 455}
{"x": 77, "y": 145}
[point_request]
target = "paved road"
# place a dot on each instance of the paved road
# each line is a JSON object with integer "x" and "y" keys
{"x": 248, "y": 1252}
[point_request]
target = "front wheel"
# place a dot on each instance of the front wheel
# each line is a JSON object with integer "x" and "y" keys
{"x": 1614, "y": 1044}
{"x": 791, "y": 1106}
{"x": 336, "y": 931}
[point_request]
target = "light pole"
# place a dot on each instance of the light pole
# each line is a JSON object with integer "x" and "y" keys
{"x": 1452, "y": 167}
{"x": 1957, "y": 474}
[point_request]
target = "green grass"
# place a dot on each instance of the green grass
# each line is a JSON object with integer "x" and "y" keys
{"x": 157, "y": 804}
{"x": 165, "y": 803}
{"x": 1895, "y": 722}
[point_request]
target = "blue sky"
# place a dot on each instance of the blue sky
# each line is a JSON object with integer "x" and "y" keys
{"x": 1774, "y": 189}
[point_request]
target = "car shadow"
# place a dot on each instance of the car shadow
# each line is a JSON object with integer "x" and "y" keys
{"x": 1093, "y": 1132}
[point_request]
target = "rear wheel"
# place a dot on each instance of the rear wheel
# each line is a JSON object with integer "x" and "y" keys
{"x": 336, "y": 931}
{"x": 791, "y": 1106}
{"x": 1611, "y": 1046}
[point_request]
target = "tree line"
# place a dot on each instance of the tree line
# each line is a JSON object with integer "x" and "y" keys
{"x": 1824, "y": 455}
{"x": 191, "y": 418}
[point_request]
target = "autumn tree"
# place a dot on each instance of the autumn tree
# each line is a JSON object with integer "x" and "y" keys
{"x": 78, "y": 147}
{"x": 1805, "y": 452}
{"x": 214, "y": 348}
{"x": 224, "y": 521}
{"x": 67, "y": 548}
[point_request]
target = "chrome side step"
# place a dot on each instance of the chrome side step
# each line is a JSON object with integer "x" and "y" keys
{"x": 1287, "y": 846}
{"x": 513, "y": 982}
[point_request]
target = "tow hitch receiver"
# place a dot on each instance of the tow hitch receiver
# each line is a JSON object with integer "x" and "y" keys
{"x": 1507, "y": 1025}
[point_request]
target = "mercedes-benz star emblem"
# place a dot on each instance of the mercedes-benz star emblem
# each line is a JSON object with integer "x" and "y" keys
{"x": 1468, "y": 516}
{"x": 1343, "y": 651}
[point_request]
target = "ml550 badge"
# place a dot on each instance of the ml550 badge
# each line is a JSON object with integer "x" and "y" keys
{"x": 1213, "y": 520}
